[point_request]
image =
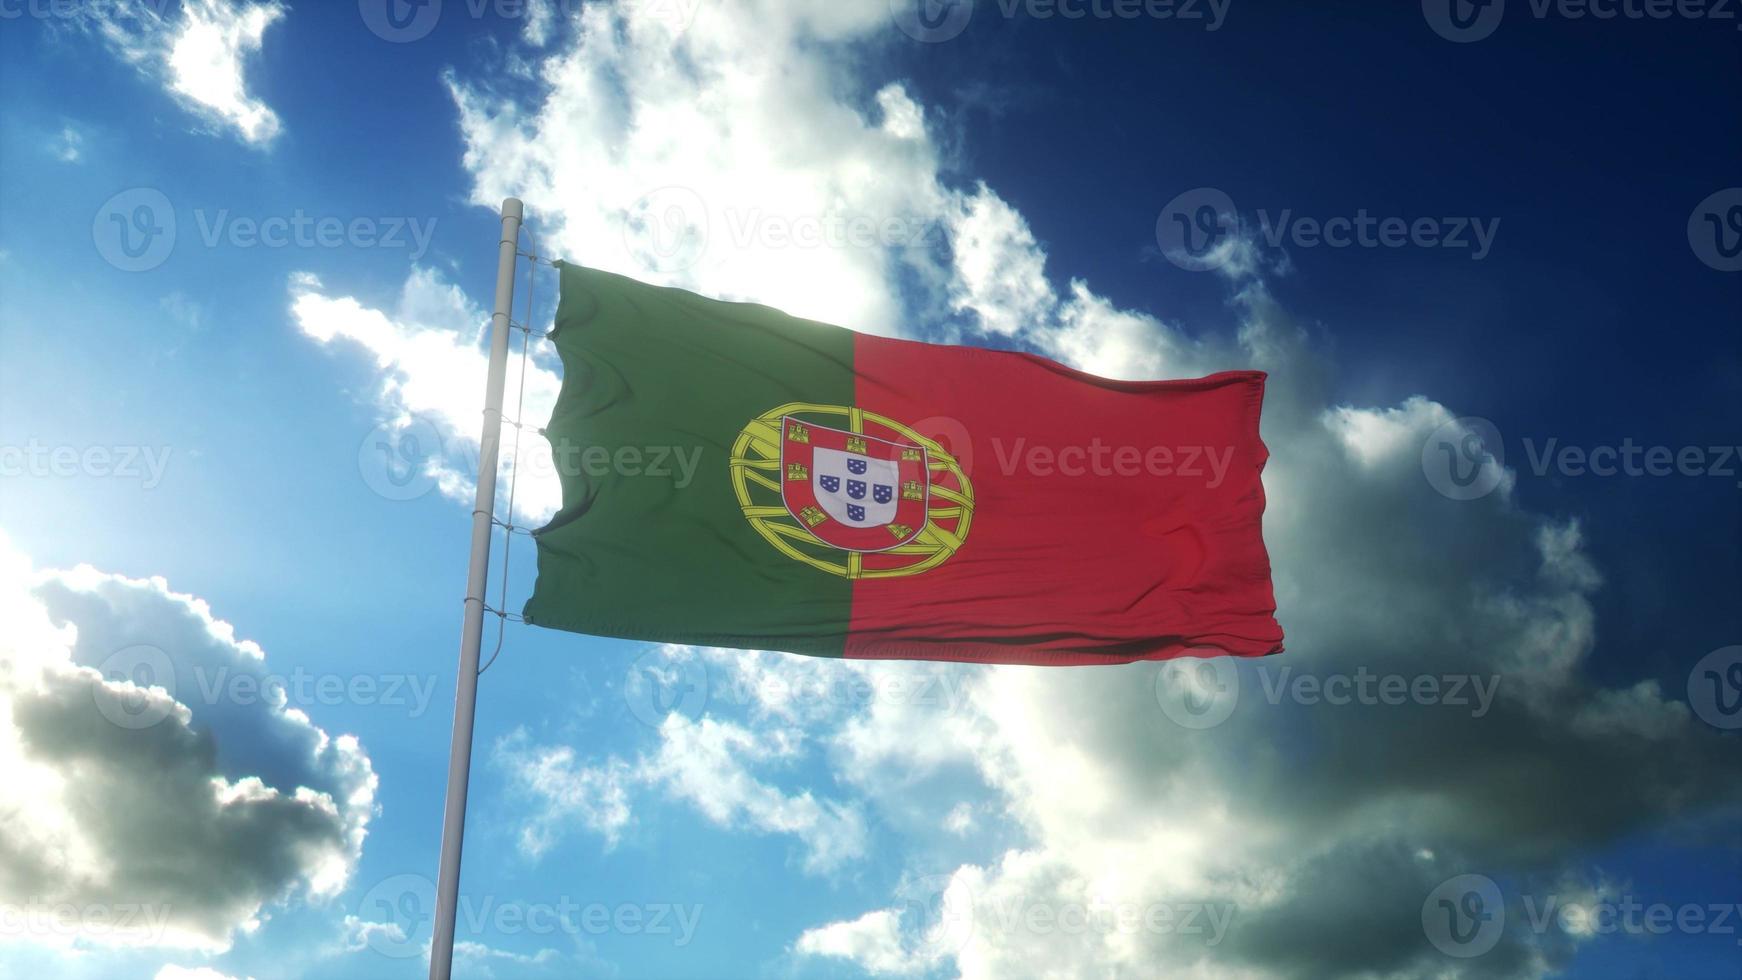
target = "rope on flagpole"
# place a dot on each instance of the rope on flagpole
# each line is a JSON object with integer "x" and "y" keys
{"x": 509, "y": 528}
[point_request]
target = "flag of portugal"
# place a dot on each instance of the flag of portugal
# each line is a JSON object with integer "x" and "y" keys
{"x": 733, "y": 476}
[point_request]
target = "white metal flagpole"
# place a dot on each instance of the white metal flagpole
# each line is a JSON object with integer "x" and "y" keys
{"x": 441, "y": 950}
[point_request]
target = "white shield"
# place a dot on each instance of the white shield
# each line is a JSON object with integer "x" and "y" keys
{"x": 856, "y": 490}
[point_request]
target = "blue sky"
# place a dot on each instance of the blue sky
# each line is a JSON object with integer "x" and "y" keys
{"x": 284, "y": 432}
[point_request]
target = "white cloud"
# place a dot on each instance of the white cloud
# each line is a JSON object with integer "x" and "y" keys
{"x": 359, "y": 934}
{"x": 706, "y": 152}
{"x": 159, "y": 815}
{"x": 567, "y": 792}
{"x": 173, "y": 972}
{"x": 999, "y": 269}
{"x": 199, "y": 57}
{"x": 540, "y": 17}
{"x": 960, "y": 819}
{"x": 873, "y": 941}
{"x": 480, "y": 960}
{"x": 431, "y": 356}
{"x": 67, "y": 145}
{"x": 704, "y": 763}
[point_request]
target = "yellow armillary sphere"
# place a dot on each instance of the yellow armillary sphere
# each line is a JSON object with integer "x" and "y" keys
{"x": 851, "y": 492}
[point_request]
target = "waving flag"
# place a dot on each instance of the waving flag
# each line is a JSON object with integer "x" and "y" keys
{"x": 733, "y": 476}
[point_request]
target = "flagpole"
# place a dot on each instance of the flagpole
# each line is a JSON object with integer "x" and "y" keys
{"x": 441, "y": 950}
